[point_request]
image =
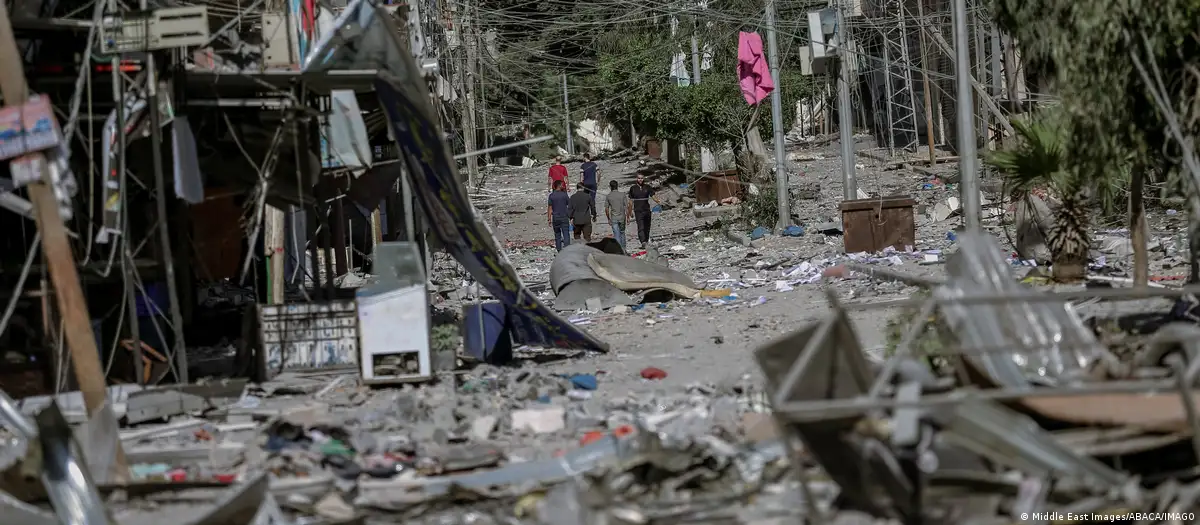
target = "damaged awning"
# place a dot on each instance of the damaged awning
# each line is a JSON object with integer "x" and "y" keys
{"x": 366, "y": 38}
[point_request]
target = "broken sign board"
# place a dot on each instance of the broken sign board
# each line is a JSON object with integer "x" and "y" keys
{"x": 308, "y": 335}
{"x": 28, "y": 128}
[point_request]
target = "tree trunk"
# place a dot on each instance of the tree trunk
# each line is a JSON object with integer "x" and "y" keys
{"x": 1070, "y": 242}
{"x": 1137, "y": 228}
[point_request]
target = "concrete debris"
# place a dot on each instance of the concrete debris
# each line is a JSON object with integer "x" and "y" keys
{"x": 539, "y": 421}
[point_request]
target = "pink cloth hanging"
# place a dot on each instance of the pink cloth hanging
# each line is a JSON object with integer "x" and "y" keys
{"x": 753, "y": 73}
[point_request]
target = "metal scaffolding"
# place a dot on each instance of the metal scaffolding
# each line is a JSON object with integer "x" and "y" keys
{"x": 901, "y": 43}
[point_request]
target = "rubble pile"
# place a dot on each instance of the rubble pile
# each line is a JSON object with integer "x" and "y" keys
{"x": 495, "y": 440}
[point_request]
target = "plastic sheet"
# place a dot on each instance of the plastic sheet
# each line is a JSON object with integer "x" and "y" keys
{"x": 1018, "y": 342}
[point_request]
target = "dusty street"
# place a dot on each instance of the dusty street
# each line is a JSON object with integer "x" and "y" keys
{"x": 711, "y": 340}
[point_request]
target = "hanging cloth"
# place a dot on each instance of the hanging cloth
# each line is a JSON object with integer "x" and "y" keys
{"x": 753, "y": 73}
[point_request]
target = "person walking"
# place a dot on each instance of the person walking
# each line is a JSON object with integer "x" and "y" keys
{"x": 558, "y": 172}
{"x": 616, "y": 211}
{"x": 591, "y": 176}
{"x": 582, "y": 212}
{"x": 640, "y": 195}
{"x": 557, "y": 206}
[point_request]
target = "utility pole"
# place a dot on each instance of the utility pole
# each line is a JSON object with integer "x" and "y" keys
{"x": 469, "y": 41}
{"x": 845, "y": 114}
{"x": 969, "y": 179}
{"x": 85, "y": 358}
{"x": 925, "y": 81}
{"x": 567, "y": 111}
{"x": 707, "y": 162}
{"x": 781, "y": 171}
{"x": 160, "y": 198}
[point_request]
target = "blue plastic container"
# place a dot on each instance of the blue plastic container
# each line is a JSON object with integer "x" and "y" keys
{"x": 486, "y": 335}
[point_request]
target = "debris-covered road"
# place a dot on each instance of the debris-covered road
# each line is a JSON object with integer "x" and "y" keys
{"x": 673, "y": 423}
{"x": 775, "y": 283}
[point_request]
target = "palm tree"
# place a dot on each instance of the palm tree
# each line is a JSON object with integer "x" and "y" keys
{"x": 1038, "y": 160}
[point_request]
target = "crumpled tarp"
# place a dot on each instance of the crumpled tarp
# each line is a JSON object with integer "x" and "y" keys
{"x": 580, "y": 272}
{"x": 365, "y": 38}
{"x": 629, "y": 274}
{"x": 574, "y": 282}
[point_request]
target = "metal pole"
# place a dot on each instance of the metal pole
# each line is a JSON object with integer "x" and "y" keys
{"x": 123, "y": 243}
{"x": 926, "y": 89}
{"x": 981, "y": 72}
{"x": 164, "y": 230}
{"x": 969, "y": 179}
{"x": 567, "y": 110}
{"x": 781, "y": 171}
{"x": 707, "y": 162}
{"x": 470, "y": 41}
{"x": 845, "y": 116}
{"x": 887, "y": 76}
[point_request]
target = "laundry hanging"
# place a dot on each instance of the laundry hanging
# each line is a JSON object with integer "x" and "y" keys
{"x": 753, "y": 73}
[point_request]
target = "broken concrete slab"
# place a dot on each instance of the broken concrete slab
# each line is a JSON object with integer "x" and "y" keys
{"x": 539, "y": 420}
{"x": 154, "y": 404}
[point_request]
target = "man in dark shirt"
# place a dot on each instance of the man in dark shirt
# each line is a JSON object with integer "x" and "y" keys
{"x": 591, "y": 176}
{"x": 582, "y": 212}
{"x": 559, "y": 218}
{"x": 641, "y": 194}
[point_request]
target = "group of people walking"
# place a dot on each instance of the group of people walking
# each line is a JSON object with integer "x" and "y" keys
{"x": 577, "y": 212}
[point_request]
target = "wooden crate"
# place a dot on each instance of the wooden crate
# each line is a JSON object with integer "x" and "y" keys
{"x": 654, "y": 148}
{"x": 870, "y": 225}
{"x": 718, "y": 185}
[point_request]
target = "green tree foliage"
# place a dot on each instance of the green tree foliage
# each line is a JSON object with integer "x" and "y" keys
{"x": 1088, "y": 49}
{"x": 618, "y": 60}
{"x": 713, "y": 113}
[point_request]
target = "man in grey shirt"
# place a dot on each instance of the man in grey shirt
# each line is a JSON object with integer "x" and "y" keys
{"x": 617, "y": 212}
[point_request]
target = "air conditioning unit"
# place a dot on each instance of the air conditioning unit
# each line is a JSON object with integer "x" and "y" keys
{"x": 166, "y": 28}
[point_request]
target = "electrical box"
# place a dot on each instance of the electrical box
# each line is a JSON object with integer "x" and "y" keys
{"x": 165, "y": 28}
{"x": 277, "y": 44}
{"x": 806, "y": 61}
{"x": 393, "y": 318}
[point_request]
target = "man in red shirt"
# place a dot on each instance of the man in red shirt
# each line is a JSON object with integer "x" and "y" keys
{"x": 558, "y": 172}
